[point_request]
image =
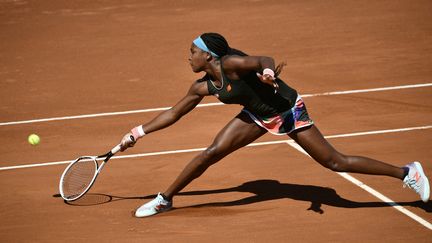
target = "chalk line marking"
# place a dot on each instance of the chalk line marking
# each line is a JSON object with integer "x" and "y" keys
{"x": 202, "y": 149}
{"x": 207, "y": 105}
{"x": 294, "y": 145}
{"x": 411, "y": 86}
{"x": 371, "y": 190}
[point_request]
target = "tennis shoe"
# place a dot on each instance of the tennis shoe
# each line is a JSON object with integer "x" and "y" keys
{"x": 417, "y": 180}
{"x": 157, "y": 205}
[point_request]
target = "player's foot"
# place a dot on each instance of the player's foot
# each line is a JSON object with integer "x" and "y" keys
{"x": 157, "y": 205}
{"x": 417, "y": 180}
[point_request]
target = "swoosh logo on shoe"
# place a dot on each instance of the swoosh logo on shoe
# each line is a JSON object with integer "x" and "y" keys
{"x": 160, "y": 207}
{"x": 417, "y": 176}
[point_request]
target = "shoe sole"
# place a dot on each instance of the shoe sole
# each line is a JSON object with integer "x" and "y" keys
{"x": 425, "y": 198}
{"x": 147, "y": 214}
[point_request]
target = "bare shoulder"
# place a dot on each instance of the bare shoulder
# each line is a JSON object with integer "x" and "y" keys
{"x": 199, "y": 87}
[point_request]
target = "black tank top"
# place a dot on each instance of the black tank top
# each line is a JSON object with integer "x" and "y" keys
{"x": 256, "y": 96}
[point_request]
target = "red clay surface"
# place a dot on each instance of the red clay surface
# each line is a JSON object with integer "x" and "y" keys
{"x": 63, "y": 58}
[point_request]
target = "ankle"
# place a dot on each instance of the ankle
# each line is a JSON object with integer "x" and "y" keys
{"x": 168, "y": 198}
{"x": 406, "y": 171}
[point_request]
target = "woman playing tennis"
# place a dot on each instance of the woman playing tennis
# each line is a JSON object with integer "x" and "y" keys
{"x": 269, "y": 104}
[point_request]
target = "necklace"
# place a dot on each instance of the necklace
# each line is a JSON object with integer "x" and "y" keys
{"x": 222, "y": 83}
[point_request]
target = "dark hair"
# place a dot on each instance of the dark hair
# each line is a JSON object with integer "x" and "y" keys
{"x": 218, "y": 44}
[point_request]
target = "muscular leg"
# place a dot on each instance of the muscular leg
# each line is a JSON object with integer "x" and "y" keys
{"x": 237, "y": 133}
{"x": 313, "y": 142}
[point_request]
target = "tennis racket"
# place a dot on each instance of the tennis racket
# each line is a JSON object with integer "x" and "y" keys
{"x": 80, "y": 175}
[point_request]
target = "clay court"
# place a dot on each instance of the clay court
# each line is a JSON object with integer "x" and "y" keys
{"x": 80, "y": 74}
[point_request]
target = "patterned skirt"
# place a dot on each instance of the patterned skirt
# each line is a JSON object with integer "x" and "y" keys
{"x": 286, "y": 122}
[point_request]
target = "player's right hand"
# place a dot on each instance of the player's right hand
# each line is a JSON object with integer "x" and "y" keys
{"x": 127, "y": 141}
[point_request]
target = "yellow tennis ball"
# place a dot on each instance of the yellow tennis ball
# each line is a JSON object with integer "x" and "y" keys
{"x": 33, "y": 139}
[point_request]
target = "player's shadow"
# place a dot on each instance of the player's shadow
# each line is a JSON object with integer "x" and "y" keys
{"x": 263, "y": 190}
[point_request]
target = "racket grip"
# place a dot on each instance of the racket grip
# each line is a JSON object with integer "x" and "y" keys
{"x": 118, "y": 146}
{"x": 116, "y": 149}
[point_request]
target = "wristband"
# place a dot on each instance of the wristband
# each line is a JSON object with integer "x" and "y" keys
{"x": 269, "y": 72}
{"x": 138, "y": 132}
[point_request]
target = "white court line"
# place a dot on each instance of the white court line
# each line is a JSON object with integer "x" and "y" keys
{"x": 293, "y": 144}
{"x": 372, "y": 191}
{"x": 115, "y": 157}
{"x": 202, "y": 149}
{"x": 369, "y": 90}
{"x": 206, "y": 105}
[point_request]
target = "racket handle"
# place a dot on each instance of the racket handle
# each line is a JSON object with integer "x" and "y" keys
{"x": 118, "y": 146}
{"x": 116, "y": 149}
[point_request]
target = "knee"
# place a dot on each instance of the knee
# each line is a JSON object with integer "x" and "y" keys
{"x": 335, "y": 162}
{"x": 214, "y": 153}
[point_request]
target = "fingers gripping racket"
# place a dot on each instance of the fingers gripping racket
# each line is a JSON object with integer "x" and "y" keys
{"x": 80, "y": 175}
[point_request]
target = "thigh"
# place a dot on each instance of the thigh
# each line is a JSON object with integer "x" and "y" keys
{"x": 314, "y": 143}
{"x": 239, "y": 132}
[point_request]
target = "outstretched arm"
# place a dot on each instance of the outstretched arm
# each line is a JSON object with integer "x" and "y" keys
{"x": 193, "y": 97}
{"x": 169, "y": 117}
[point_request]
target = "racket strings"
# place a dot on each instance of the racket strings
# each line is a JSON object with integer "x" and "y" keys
{"x": 78, "y": 178}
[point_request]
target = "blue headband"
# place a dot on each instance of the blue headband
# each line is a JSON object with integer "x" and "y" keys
{"x": 201, "y": 45}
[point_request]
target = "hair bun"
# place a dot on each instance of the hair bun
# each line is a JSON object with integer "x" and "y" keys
{"x": 216, "y": 43}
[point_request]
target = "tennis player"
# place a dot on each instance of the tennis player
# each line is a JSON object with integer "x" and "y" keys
{"x": 269, "y": 105}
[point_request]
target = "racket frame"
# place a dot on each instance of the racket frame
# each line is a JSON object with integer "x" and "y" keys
{"x": 107, "y": 156}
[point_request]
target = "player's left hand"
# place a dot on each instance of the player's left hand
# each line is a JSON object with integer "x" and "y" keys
{"x": 268, "y": 79}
